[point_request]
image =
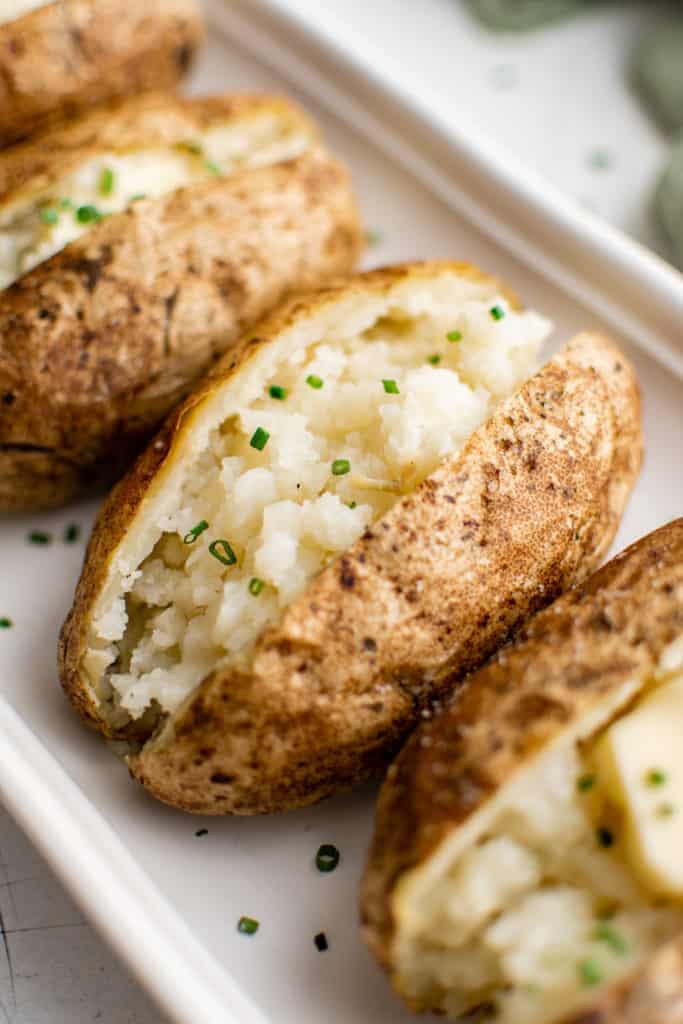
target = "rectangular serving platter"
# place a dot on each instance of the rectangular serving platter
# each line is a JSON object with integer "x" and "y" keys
{"x": 167, "y": 900}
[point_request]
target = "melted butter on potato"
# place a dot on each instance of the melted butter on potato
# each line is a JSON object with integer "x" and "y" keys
{"x": 567, "y": 880}
{"x": 639, "y": 766}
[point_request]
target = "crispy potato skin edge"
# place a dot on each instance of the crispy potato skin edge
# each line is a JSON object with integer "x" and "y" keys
{"x": 564, "y": 661}
{"x": 518, "y": 511}
{"x": 68, "y": 55}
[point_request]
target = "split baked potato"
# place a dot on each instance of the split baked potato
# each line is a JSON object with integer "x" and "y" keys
{"x": 526, "y": 866}
{"x": 63, "y": 56}
{"x": 357, "y": 507}
{"x": 138, "y": 242}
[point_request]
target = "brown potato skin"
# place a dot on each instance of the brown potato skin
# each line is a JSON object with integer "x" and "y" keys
{"x": 528, "y": 507}
{"x": 71, "y": 54}
{"x": 99, "y": 342}
{"x": 565, "y": 661}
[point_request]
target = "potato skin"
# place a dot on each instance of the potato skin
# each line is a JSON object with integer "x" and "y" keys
{"x": 564, "y": 661}
{"x": 526, "y": 509}
{"x": 71, "y": 54}
{"x": 101, "y": 340}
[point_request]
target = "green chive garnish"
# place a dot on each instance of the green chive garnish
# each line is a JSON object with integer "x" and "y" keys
{"x": 454, "y": 336}
{"x": 66, "y": 204}
{"x": 213, "y": 168}
{"x": 256, "y": 586}
{"x": 605, "y": 837}
{"x": 39, "y": 537}
{"x": 88, "y": 214}
{"x": 49, "y": 215}
{"x": 497, "y": 312}
{"x": 340, "y": 467}
{"x": 5, "y": 623}
{"x": 655, "y": 778}
{"x": 352, "y": 504}
{"x": 278, "y": 392}
{"x": 196, "y": 531}
{"x": 373, "y": 238}
{"x": 604, "y": 933}
{"x": 435, "y": 359}
{"x": 137, "y": 197}
{"x": 107, "y": 182}
{"x": 314, "y": 382}
{"x": 72, "y": 533}
{"x": 391, "y": 387}
{"x": 590, "y": 973}
{"x": 585, "y": 782}
{"x": 259, "y": 439}
{"x": 327, "y": 858}
{"x": 247, "y": 926}
{"x": 221, "y": 550}
{"x": 665, "y": 810}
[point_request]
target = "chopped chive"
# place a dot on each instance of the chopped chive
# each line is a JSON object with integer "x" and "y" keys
{"x": 372, "y": 238}
{"x": 259, "y": 439}
{"x": 71, "y": 533}
{"x": 201, "y": 832}
{"x": 435, "y": 359}
{"x": 497, "y": 312}
{"x": 221, "y": 550}
{"x": 352, "y": 504}
{"x": 278, "y": 392}
{"x": 137, "y": 197}
{"x": 340, "y": 467}
{"x": 256, "y": 586}
{"x": 5, "y": 623}
{"x": 196, "y": 531}
{"x": 454, "y": 336}
{"x": 585, "y": 782}
{"x": 66, "y": 204}
{"x": 655, "y": 777}
{"x": 314, "y": 382}
{"x": 190, "y": 147}
{"x": 213, "y": 168}
{"x": 391, "y": 387}
{"x": 39, "y": 537}
{"x": 49, "y": 215}
{"x": 605, "y": 837}
{"x": 107, "y": 181}
{"x": 247, "y": 926}
{"x": 604, "y": 933}
{"x": 327, "y": 858}
{"x": 590, "y": 973}
{"x": 88, "y": 214}
{"x": 321, "y": 943}
{"x": 600, "y": 159}
{"x": 665, "y": 810}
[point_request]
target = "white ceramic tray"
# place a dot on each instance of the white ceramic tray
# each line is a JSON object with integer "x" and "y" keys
{"x": 166, "y": 899}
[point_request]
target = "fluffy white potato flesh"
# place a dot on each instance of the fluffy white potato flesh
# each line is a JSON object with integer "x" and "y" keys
{"x": 557, "y": 886}
{"x": 283, "y": 468}
{"x": 10, "y": 10}
{"x": 35, "y": 226}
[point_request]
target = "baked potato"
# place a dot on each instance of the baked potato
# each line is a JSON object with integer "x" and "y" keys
{"x": 526, "y": 865}
{"x": 357, "y": 507}
{"x": 138, "y": 243}
{"x": 61, "y": 57}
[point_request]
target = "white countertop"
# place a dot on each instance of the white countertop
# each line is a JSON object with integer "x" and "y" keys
{"x": 543, "y": 96}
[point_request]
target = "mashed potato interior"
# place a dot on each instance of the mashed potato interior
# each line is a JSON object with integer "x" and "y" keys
{"x": 37, "y": 226}
{"x": 324, "y": 443}
{"x": 543, "y": 904}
